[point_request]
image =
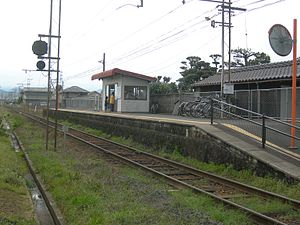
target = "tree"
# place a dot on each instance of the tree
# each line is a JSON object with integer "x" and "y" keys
{"x": 246, "y": 57}
{"x": 164, "y": 87}
{"x": 261, "y": 58}
{"x": 166, "y": 79}
{"x": 194, "y": 70}
{"x": 215, "y": 58}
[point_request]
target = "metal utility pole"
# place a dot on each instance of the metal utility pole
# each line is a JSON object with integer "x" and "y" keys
{"x": 57, "y": 76}
{"x": 223, "y": 43}
{"x": 103, "y": 62}
{"x": 229, "y": 43}
{"x": 224, "y": 5}
{"x": 230, "y": 8}
{"x": 294, "y": 84}
{"x": 49, "y": 73}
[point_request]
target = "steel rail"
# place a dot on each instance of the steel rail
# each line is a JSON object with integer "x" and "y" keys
{"x": 53, "y": 213}
{"x": 258, "y": 217}
{"x": 229, "y": 182}
{"x": 261, "y": 218}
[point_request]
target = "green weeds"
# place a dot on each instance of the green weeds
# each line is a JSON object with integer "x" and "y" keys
{"x": 15, "y": 204}
{"x": 89, "y": 191}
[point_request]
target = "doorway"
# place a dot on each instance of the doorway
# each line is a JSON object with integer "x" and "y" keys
{"x": 109, "y": 90}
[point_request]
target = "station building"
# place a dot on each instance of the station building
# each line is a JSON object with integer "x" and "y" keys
{"x": 131, "y": 90}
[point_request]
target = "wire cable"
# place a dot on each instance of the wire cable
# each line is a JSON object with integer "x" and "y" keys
{"x": 165, "y": 39}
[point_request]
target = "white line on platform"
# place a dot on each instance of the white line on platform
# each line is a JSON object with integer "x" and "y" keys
{"x": 273, "y": 146}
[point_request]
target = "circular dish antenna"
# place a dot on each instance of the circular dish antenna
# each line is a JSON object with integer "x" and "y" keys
{"x": 280, "y": 40}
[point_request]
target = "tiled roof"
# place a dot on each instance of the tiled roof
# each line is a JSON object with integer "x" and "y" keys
{"x": 110, "y": 73}
{"x": 75, "y": 89}
{"x": 270, "y": 71}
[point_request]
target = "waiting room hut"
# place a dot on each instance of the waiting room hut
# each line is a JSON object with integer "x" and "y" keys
{"x": 131, "y": 90}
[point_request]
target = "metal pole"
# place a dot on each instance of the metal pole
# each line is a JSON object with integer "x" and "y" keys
{"x": 49, "y": 74}
{"x": 211, "y": 111}
{"x": 229, "y": 44}
{"x": 57, "y": 75}
{"x": 263, "y": 135}
{"x": 222, "y": 73}
{"x": 103, "y": 62}
{"x": 294, "y": 85}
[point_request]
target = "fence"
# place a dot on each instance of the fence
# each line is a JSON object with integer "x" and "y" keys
{"x": 255, "y": 125}
{"x": 84, "y": 103}
{"x": 271, "y": 102}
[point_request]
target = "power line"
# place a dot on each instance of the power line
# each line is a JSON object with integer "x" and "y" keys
{"x": 164, "y": 39}
{"x": 92, "y": 20}
{"x": 266, "y": 5}
{"x": 161, "y": 44}
{"x": 133, "y": 33}
{"x": 147, "y": 25}
{"x": 144, "y": 27}
{"x": 82, "y": 74}
{"x": 153, "y": 70}
{"x": 145, "y": 50}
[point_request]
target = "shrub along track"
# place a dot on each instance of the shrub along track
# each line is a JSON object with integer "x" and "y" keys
{"x": 229, "y": 192}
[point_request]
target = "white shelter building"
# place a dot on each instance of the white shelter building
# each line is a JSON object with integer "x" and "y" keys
{"x": 131, "y": 90}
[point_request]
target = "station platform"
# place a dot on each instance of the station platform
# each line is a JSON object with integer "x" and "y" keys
{"x": 280, "y": 159}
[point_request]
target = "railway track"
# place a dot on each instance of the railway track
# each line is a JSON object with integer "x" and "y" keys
{"x": 231, "y": 193}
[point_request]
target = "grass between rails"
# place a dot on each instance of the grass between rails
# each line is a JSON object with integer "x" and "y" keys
{"x": 245, "y": 176}
{"x": 15, "y": 203}
{"x": 91, "y": 191}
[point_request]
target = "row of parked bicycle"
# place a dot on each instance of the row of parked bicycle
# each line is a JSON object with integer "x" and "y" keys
{"x": 201, "y": 108}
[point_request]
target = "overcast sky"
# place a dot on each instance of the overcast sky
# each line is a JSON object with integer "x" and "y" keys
{"x": 151, "y": 40}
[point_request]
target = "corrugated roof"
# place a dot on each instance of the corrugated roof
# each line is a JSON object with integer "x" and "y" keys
{"x": 75, "y": 89}
{"x": 270, "y": 71}
{"x": 110, "y": 73}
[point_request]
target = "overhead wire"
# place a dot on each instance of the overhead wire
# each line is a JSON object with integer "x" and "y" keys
{"x": 266, "y": 5}
{"x": 159, "y": 47}
{"x": 161, "y": 44}
{"x": 148, "y": 25}
{"x": 151, "y": 70}
{"x": 158, "y": 19}
{"x": 164, "y": 37}
{"x": 143, "y": 50}
{"x": 261, "y": 6}
{"x": 148, "y": 49}
{"x": 92, "y": 20}
{"x": 82, "y": 74}
{"x": 115, "y": 44}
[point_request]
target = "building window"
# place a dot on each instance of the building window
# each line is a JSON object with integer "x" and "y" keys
{"x": 135, "y": 93}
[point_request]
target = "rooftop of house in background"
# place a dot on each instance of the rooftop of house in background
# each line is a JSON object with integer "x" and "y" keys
{"x": 75, "y": 89}
{"x": 35, "y": 89}
{"x": 257, "y": 73}
{"x": 116, "y": 71}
